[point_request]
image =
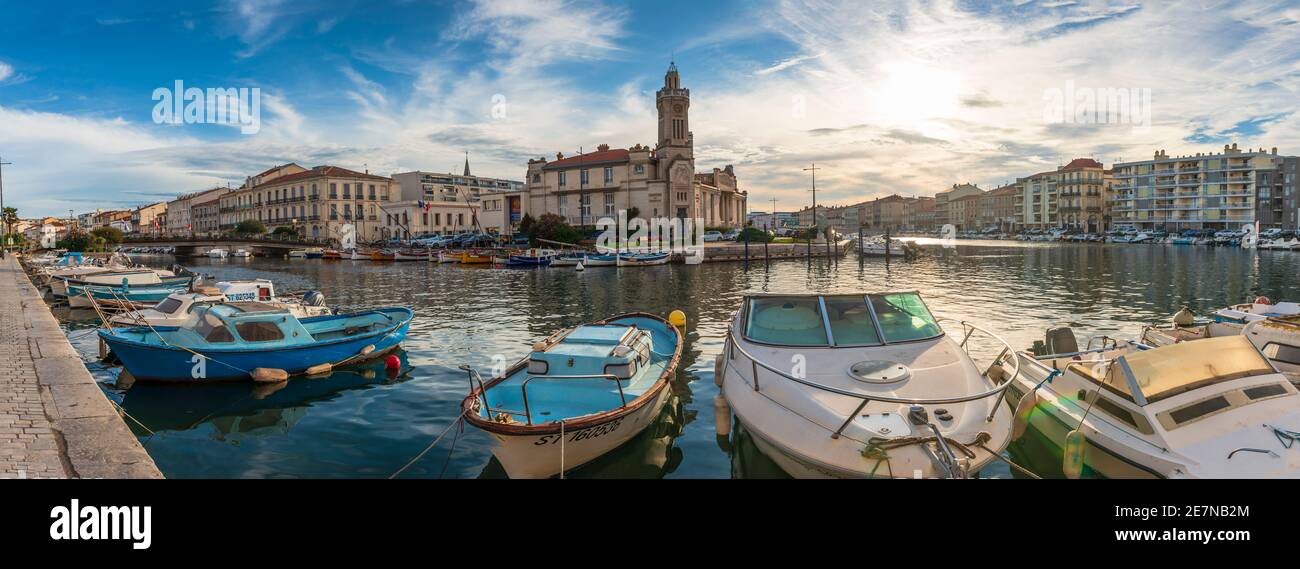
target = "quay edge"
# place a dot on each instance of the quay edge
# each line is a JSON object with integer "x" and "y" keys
{"x": 55, "y": 421}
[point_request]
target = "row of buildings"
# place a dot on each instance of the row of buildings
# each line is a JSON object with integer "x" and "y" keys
{"x": 323, "y": 202}
{"x": 1202, "y": 191}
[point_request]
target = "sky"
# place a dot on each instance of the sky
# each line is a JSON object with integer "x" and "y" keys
{"x": 884, "y": 97}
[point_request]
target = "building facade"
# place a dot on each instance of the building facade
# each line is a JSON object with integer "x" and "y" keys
{"x": 316, "y": 203}
{"x": 432, "y": 187}
{"x": 1203, "y": 191}
{"x": 942, "y": 203}
{"x": 655, "y": 182}
{"x": 145, "y": 218}
{"x": 997, "y": 209}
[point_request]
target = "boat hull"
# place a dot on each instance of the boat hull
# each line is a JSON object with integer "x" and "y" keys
{"x": 164, "y": 363}
{"x": 539, "y": 455}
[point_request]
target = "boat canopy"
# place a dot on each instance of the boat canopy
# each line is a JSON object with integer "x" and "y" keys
{"x": 839, "y": 320}
{"x": 1177, "y": 368}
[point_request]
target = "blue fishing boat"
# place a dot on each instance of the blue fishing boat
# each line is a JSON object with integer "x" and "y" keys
{"x": 600, "y": 261}
{"x": 236, "y": 340}
{"x": 579, "y": 394}
{"x": 528, "y": 261}
{"x": 79, "y": 295}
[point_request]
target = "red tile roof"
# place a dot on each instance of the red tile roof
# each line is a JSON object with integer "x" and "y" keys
{"x": 1081, "y": 163}
{"x": 599, "y": 157}
{"x": 321, "y": 172}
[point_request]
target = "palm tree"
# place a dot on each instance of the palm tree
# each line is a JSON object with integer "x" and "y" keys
{"x": 10, "y": 219}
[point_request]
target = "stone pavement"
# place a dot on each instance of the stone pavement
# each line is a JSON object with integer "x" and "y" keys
{"x": 55, "y": 421}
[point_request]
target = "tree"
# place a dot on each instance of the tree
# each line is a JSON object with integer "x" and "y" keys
{"x": 10, "y": 218}
{"x": 633, "y": 212}
{"x": 250, "y": 227}
{"x": 285, "y": 230}
{"x": 109, "y": 235}
{"x": 552, "y": 227}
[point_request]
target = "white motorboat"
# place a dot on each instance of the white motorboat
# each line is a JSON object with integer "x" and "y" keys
{"x": 863, "y": 386}
{"x": 218, "y": 253}
{"x": 1215, "y": 408}
{"x": 876, "y": 248}
{"x": 1273, "y": 328}
{"x": 175, "y": 309}
{"x": 242, "y": 254}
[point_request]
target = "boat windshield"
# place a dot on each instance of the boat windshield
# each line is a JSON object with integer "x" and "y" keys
{"x": 839, "y": 320}
{"x": 1177, "y": 368}
{"x": 168, "y": 305}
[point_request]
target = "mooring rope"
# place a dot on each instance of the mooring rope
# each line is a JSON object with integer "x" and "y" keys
{"x": 435, "y": 442}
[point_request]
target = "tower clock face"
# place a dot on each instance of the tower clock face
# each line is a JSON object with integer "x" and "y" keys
{"x": 677, "y": 108}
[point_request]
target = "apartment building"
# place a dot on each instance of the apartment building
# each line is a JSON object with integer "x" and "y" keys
{"x": 1202, "y": 191}
{"x": 1081, "y": 197}
{"x": 997, "y": 209}
{"x": 180, "y": 218}
{"x": 963, "y": 212}
{"x": 144, "y": 219}
{"x": 942, "y": 200}
{"x": 317, "y": 203}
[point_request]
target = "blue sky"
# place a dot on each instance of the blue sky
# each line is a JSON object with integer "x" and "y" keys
{"x": 906, "y": 97}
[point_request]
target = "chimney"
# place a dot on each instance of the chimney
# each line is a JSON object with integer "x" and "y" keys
{"x": 602, "y": 148}
{"x": 559, "y": 156}
{"x": 1275, "y": 151}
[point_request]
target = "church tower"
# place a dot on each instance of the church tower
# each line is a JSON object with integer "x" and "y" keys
{"x": 674, "y": 105}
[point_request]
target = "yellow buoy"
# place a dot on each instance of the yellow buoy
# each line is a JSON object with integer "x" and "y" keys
{"x": 677, "y": 318}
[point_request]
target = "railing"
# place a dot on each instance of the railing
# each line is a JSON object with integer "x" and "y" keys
{"x": 527, "y": 413}
{"x": 731, "y": 347}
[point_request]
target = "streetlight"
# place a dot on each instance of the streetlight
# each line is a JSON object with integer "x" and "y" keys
{"x": 8, "y": 239}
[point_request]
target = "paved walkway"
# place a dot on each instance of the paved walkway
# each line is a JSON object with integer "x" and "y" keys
{"x": 55, "y": 422}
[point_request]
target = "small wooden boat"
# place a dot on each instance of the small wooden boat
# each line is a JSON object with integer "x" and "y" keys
{"x": 568, "y": 260}
{"x": 332, "y": 254}
{"x": 176, "y": 309}
{"x": 382, "y": 256}
{"x": 600, "y": 261}
{"x": 448, "y": 257}
{"x": 356, "y": 255}
{"x": 475, "y": 258}
{"x": 233, "y": 340}
{"x": 580, "y": 394}
{"x": 643, "y": 259}
{"x": 80, "y": 296}
{"x": 411, "y": 255}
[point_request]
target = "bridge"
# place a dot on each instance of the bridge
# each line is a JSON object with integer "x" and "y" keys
{"x": 201, "y": 245}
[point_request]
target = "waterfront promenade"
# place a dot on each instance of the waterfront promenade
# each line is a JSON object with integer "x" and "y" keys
{"x": 55, "y": 421}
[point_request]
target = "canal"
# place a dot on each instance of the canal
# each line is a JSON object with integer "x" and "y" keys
{"x": 362, "y": 422}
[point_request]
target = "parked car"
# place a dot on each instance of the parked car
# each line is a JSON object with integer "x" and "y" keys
{"x": 711, "y": 236}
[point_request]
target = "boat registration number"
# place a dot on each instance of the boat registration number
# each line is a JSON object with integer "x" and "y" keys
{"x": 582, "y": 435}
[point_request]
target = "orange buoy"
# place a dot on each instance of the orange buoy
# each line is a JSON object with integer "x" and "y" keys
{"x": 1263, "y": 300}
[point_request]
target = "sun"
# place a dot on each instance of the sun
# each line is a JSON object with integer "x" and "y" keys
{"x": 911, "y": 93}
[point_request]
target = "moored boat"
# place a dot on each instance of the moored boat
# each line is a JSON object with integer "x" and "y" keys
{"x": 412, "y": 255}
{"x": 218, "y": 253}
{"x": 579, "y": 394}
{"x": 878, "y": 388}
{"x": 383, "y": 255}
{"x": 1214, "y": 408}
{"x": 233, "y": 340}
{"x": 85, "y": 296}
{"x": 177, "y": 308}
{"x": 475, "y": 258}
{"x": 643, "y": 259}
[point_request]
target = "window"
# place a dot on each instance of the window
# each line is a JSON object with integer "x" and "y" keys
{"x": 850, "y": 321}
{"x": 334, "y": 192}
{"x": 259, "y": 331}
{"x": 609, "y": 204}
{"x": 639, "y": 168}
{"x": 1282, "y": 353}
{"x": 609, "y": 174}
{"x": 564, "y": 206}
{"x": 904, "y": 317}
{"x": 584, "y": 205}
{"x": 786, "y": 321}
{"x": 537, "y": 178}
{"x": 168, "y": 306}
{"x": 563, "y": 180}
{"x": 213, "y": 330}
{"x": 372, "y": 191}
{"x": 585, "y": 177}
{"x": 347, "y": 191}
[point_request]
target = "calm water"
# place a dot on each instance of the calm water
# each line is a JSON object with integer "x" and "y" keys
{"x": 364, "y": 423}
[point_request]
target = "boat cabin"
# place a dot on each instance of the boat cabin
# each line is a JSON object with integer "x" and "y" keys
{"x": 605, "y": 349}
{"x": 838, "y": 320}
{"x": 242, "y": 322}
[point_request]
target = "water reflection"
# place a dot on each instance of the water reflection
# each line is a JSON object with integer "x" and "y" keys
{"x": 358, "y": 426}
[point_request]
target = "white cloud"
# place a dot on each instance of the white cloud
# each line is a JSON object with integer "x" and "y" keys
{"x": 6, "y": 70}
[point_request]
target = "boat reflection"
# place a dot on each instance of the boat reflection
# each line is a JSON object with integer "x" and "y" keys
{"x": 240, "y": 409}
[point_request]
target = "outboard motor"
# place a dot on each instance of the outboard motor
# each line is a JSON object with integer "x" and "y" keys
{"x": 313, "y": 298}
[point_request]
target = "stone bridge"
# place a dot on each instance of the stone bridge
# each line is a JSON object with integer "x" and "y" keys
{"x": 192, "y": 246}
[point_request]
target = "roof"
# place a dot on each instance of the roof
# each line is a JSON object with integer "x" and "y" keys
{"x": 614, "y": 156}
{"x": 1081, "y": 163}
{"x": 321, "y": 172}
{"x": 274, "y": 168}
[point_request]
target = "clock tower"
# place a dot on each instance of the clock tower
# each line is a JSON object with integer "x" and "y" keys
{"x": 674, "y": 105}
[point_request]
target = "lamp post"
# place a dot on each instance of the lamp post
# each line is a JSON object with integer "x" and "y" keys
{"x": 8, "y": 239}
